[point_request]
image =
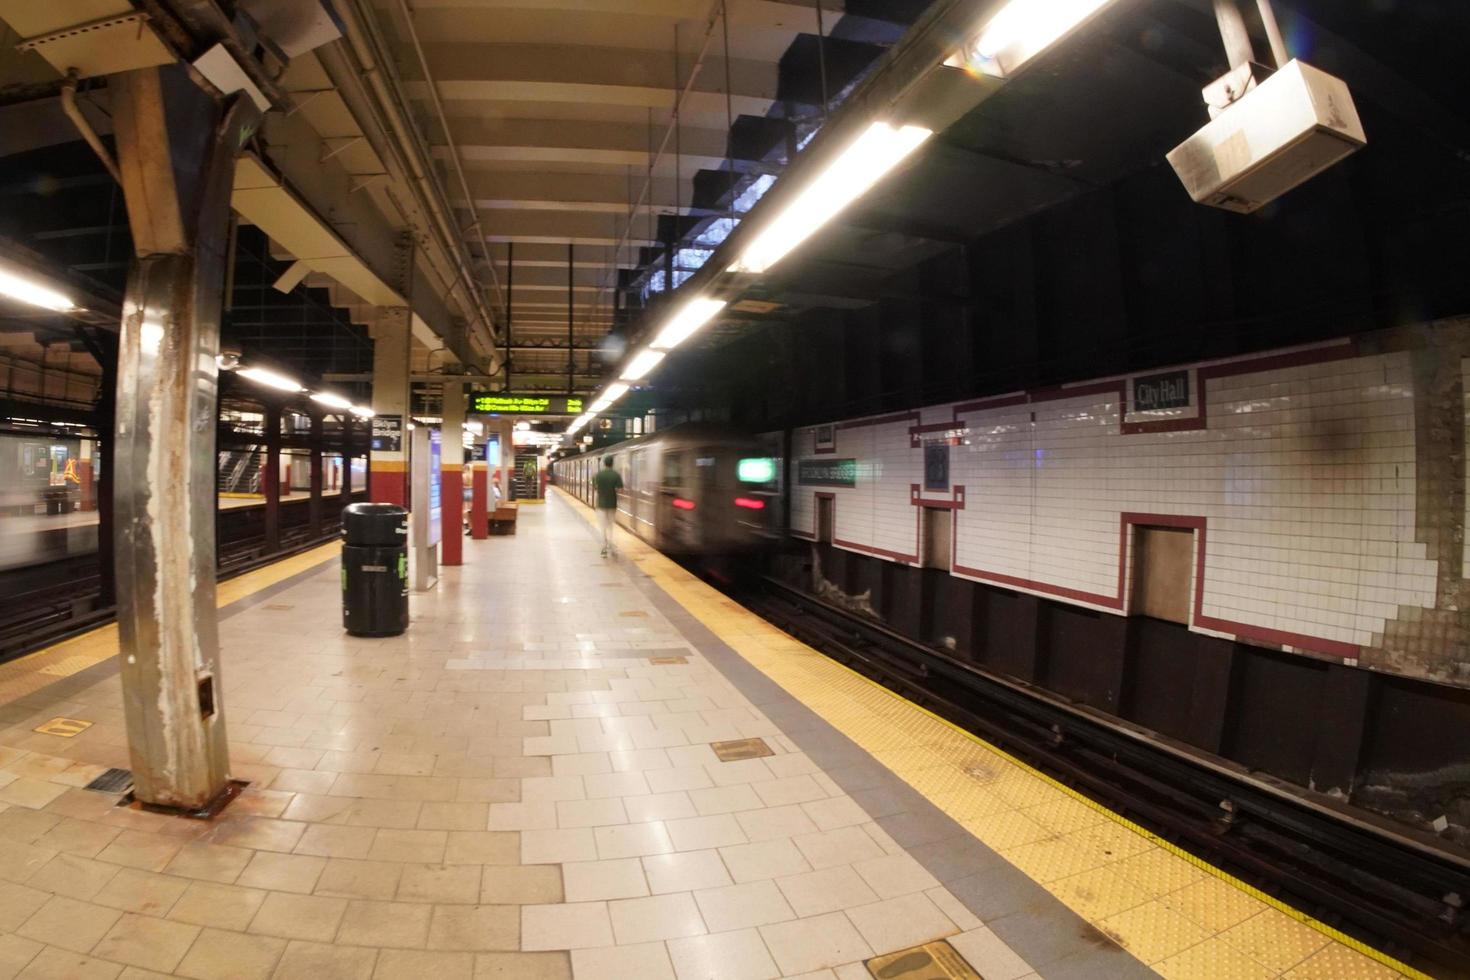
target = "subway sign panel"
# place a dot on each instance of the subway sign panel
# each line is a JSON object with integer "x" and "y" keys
{"x": 827, "y": 472}
{"x": 1161, "y": 391}
{"x": 502, "y": 403}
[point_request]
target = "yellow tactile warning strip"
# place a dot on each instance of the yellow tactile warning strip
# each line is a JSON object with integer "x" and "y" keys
{"x": 28, "y": 674}
{"x": 1184, "y": 918}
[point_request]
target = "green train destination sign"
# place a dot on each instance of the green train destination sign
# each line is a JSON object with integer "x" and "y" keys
{"x": 826, "y": 472}
{"x": 502, "y": 403}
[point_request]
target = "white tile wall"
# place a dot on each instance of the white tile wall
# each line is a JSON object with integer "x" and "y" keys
{"x": 1305, "y": 476}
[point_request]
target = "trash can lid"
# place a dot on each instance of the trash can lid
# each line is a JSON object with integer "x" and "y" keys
{"x": 374, "y": 510}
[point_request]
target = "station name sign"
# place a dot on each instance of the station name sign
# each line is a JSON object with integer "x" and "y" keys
{"x": 827, "y": 472}
{"x": 500, "y": 403}
{"x": 387, "y": 434}
{"x": 1159, "y": 391}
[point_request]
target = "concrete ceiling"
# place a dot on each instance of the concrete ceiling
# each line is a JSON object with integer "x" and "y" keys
{"x": 556, "y": 107}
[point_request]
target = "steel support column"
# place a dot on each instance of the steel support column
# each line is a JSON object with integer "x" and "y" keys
{"x": 388, "y": 468}
{"x": 451, "y": 467}
{"x": 176, "y": 150}
{"x": 479, "y": 500}
{"x": 270, "y": 478}
{"x": 349, "y": 447}
{"x": 314, "y": 507}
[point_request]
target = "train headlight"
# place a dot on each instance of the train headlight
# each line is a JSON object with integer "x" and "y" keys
{"x": 760, "y": 469}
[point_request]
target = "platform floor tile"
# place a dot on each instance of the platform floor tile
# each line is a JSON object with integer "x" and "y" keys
{"x": 1172, "y": 911}
{"x": 521, "y": 786}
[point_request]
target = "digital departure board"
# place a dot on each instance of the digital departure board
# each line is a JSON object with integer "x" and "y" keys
{"x": 502, "y": 403}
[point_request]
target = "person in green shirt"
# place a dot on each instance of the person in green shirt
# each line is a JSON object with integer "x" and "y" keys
{"x": 607, "y": 483}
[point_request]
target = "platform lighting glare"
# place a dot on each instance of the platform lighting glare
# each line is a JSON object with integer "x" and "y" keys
{"x": 1025, "y": 28}
{"x": 682, "y": 325}
{"x": 330, "y": 400}
{"x": 615, "y": 391}
{"x": 270, "y": 379}
{"x": 855, "y": 170}
{"x": 33, "y": 293}
{"x": 640, "y": 366}
{"x": 362, "y": 411}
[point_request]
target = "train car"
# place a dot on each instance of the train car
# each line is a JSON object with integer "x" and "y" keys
{"x": 39, "y": 473}
{"x": 696, "y": 489}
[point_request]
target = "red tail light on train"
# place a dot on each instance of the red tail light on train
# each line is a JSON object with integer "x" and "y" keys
{"x": 750, "y": 503}
{"x": 683, "y": 504}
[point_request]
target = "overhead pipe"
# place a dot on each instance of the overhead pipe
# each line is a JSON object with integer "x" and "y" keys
{"x": 364, "y": 48}
{"x": 1279, "y": 54}
{"x": 74, "y": 113}
{"x": 1237, "y": 38}
{"x": 464, "y": 185}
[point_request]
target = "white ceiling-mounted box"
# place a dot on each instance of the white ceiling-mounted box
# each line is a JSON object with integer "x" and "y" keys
{"x": 1285, "y": 131}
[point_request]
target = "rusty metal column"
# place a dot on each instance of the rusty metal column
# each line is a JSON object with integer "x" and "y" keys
{"x": 176, "y": 150}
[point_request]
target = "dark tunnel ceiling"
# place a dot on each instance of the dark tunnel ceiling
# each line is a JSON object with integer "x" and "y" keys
{"x": 1108, "y": 105}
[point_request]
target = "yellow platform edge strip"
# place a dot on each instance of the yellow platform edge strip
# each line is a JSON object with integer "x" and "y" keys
{"x": 1321, "y": 927}
{"x": 94, "y": 646}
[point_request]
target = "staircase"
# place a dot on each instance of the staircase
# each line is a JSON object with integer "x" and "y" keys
{"x": 239, "y": 470}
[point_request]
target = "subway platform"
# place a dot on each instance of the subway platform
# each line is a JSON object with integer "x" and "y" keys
{"x": 533, "y": 783}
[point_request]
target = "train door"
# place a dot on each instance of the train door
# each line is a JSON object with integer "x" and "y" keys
{"x": 631, "y": 483}
{"x": 707, "y": 490}
{"x": 672, "y": 515}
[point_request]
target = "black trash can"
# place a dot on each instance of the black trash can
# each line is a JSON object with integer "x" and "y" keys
{"x": 374, "y": 569}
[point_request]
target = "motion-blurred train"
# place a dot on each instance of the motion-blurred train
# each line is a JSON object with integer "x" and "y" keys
{"x": 696, "y": 489}
{"x": 36, "y": 470}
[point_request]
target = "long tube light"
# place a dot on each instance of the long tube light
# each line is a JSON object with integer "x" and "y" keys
{"x": 362, "y": 411}
{"x": 682, "y": 325}
{"x": 1022, "y": 29}
{"x": 639, "y": 367}
{"x": 33, "y": 293}
{"x": 855, "y": 170}
{"x": 330, "y": 400}
{"x": 270, "y": 379}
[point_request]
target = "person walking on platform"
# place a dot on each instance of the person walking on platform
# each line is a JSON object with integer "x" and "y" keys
{"x": 607, "y": 483}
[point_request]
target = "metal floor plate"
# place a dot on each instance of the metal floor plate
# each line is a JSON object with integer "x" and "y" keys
{"x": 740, "y": 749}
{"x": 937, "y": 960}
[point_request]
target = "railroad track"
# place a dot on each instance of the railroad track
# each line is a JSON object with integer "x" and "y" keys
{"x": 1386, "y": 886}
{"x": 65, "y": 608}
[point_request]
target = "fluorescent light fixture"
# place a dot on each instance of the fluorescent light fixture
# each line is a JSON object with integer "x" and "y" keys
{"x": 330, "y": 400}
{"x": 601, "y": 405}
{"x": 270, "y": 379}
{"x": 682, "y": 325}
{"x": 848, "y": 177}
{"x": 33, "y": 293}
{"x": 615, "y": 391}
{"x": 362, "y": 411}
{"x": 640, "y": 366}
{"x": 1022, "y": 29}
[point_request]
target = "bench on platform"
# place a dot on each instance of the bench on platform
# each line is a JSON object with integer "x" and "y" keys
{"x": 503, "y": 519}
